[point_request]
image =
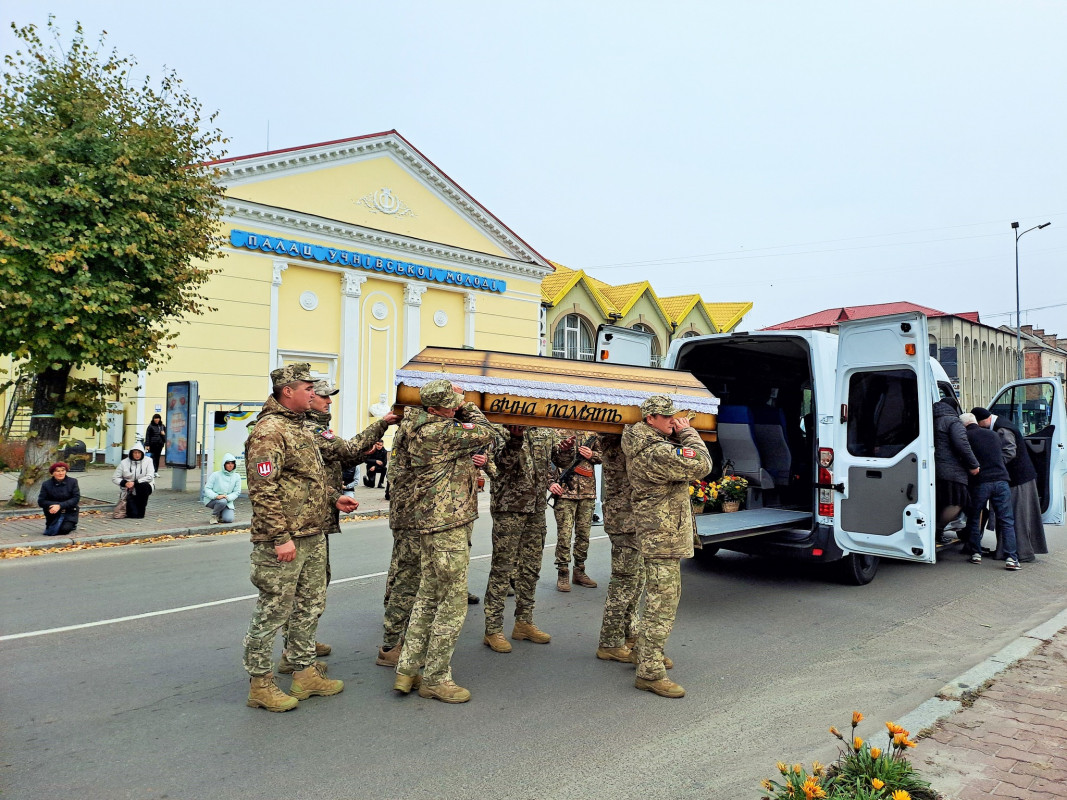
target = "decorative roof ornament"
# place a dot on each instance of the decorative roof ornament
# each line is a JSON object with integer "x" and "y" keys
{"x": 384, "y": 201}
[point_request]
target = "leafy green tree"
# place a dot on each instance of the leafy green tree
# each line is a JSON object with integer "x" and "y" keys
{"x": 107, "y": 218}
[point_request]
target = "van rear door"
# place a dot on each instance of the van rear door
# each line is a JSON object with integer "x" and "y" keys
{"x": 883, "y": 439}
{"x": 1036, "y": 408}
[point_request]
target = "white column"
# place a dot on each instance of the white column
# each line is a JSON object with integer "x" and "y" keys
{"x": 413, "y": 293}
{"x": 142, "y": 380}
{"x": 469, "y": 307}
{"x": 351, "y": 289}
{"x": 275, "y": 285}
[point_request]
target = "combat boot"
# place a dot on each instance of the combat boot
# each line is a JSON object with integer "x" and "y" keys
{"x": 286, "y": 667}
{"x": 527, "y": 631}
{"x": 664, "y": 687}
{"x": 405, "y": 683}
{"x": 667, "y": 663}
{"x": 497, "y": 643}
{"x": 563, "y": 582}
{"x": 313, "y": 681}
{"x": 614, "y": 654}
{"x": 446, "y": 692}
{"x": 390, "y": 657}
{"x": 263, "y": 692}
{"x": 581, "y": 579}
{"x": 322, "y": 649}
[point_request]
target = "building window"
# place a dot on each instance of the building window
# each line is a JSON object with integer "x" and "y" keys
{"x": 691, "y": 334}
{"x": 573, "y": 339}
{"x": 656, "y": 357}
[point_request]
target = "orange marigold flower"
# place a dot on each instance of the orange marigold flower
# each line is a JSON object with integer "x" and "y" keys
{"x": 910, "y": 743}
{"x": 900, "y": 794}
{"x": 899, "y": 739}
{"x": 857, "y": 718}
{"x": 836, "y": 732}
{"x": 894, "y": 728}
{"x": 875, "y": 752}
{"x": 798, "y": 768}
{"x": 812, "y": 789}
{"x": 857, "y": 743}
{"x": 877, "y": 783}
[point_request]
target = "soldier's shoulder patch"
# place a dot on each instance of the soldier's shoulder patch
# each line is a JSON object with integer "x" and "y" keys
{"x": 327, "y": 434}
{"x": 467, "y": 426}
{"x": 264, "y": 469}
{"x": 686, "y": 452}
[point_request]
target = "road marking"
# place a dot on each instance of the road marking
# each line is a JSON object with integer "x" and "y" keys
{"x": 29, "y": 634}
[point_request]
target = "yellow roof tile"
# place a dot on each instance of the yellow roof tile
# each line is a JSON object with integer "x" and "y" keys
{"x": 726, "y": 316}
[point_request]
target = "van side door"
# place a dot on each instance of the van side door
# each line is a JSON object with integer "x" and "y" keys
{"x": 1036, "y": 408}
{"x": 883, "y": 465}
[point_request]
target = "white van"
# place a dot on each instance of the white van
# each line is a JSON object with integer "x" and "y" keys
{"x": 834, "y": 433}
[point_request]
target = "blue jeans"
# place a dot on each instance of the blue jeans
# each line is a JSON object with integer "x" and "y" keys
{"x": 52, "y": 528}
{"x": 999, "y": 495}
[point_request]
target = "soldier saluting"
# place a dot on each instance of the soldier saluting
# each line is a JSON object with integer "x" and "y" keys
{"x": 663, "y": 455}
{"x": 292, "y": 504}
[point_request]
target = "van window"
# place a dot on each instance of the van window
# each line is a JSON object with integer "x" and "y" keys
{"x": 1028, "y": 407}
{"x": 883, "y": 412}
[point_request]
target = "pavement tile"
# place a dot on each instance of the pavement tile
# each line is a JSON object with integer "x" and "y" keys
{"x": 1022, "y": 781}
{"x": 1042, "y": 769}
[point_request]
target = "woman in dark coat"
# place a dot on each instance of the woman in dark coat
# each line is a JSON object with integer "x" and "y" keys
{"x": 156, "y": 439}
{"x": 954, "y": 463}
{"x": 59, "y": 498}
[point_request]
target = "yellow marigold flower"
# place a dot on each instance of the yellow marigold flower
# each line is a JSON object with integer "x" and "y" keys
{"x": 766, "y": 784}
{"x": 909, "y": 743}
{"x": 836, "y": 732}
{"x": 817, "y": 768}
{"x": 900, "y": 794}
{"x": 857, "y": 718}
{"x": 899, "y": 739}
{"x": 798, "y": 768}
{"x": 875, "y": 752}
{"x": 877, "y": 783}
{"x": 812, "y": 789}
{"x": 782, "y": 768}
{"x": 857, "y": 743}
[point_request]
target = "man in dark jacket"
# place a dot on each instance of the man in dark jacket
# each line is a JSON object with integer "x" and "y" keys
{"x": 954, "y": 463}
{"x": 990, "y": 484}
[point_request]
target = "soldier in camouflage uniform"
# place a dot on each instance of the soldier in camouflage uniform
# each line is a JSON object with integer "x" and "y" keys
{"x": 291, "y": 499}
{"x": 337, "y": 454}
{"x": 520, "y": 473}
{"x": 574, "y": 508}
{"x": 624, "y": 589}
{"x": 662, "y": 456}
{"x": 444, "y": 458}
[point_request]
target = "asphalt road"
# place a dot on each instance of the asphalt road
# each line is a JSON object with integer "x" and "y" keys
{"x": 771, "y": 654}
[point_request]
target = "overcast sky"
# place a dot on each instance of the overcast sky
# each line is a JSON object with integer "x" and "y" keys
{"x": 798, "y": 155}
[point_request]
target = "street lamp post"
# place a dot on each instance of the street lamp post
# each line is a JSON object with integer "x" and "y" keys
{"x": 1018, "y": 322}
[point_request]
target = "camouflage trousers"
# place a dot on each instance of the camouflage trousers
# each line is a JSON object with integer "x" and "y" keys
{"x": 405, "y": 570}
{"x": 624, "y": 590}
{"x": 663, "y": 591}
{"x": 292, "y": 594}
{"x": 329, "y": 577}
{"x": 440, "y": 605}
{"x": 572, "y": 516}
{"x": 518, "y": 547}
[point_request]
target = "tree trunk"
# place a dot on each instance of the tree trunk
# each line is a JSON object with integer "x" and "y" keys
{"x": 42, "y": 444}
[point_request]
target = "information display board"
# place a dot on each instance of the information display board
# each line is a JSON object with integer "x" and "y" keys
{"x": 183, "y": 399}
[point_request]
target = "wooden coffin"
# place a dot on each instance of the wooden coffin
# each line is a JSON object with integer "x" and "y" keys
{"x": 513, "y": 389}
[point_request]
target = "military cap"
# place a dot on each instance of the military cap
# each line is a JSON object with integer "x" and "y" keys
{"x": 325, "y": 389}
{"x": 657, "y": 404}
{"x": 440, "y": 394}
{"x": 290, "y": 373}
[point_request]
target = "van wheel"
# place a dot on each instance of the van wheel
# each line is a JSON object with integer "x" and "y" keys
{"x": 858, "y": 570}
{"x": 705, "y": 553}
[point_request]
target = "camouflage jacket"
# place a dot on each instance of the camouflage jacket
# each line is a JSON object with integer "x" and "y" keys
{"x": 521, "y": 471}
{"x": 584, "y": 486}
{"x": 337, "y": 453}
{"x": 441, "y": 476}
{"x": 660, "y": 470}
{"x": 287, "y": 482}
{"x": 615, "y": 492}
{"x": 398, "y": 469}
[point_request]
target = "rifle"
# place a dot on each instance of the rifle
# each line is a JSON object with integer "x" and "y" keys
{"x": 567, "y": 477}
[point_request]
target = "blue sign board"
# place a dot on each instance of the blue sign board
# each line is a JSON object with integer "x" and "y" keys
{"x": 349, "y": 258}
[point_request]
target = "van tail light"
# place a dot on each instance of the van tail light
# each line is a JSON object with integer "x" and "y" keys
{"x": 826, "y": 477}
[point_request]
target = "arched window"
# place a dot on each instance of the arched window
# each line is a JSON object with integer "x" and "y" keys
{"x": 573, "y": 338}
{"x": 691, "y": 334}
{"x": 656, "y": 357}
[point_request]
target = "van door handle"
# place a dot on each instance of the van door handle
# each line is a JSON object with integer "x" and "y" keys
{"x": 910, "y": 493}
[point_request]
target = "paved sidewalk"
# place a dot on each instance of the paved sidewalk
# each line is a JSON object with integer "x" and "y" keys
{"x": 1009, "y": 738}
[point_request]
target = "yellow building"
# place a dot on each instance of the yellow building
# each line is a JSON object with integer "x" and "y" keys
{"x": 352, "y": 255}
{"x": 575, "y": 304}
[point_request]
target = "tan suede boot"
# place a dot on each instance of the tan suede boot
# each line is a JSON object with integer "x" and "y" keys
{"x": 390, "y": 657}
{"x": 446, "y": 692}
{"x": 285, "y": 667}
{"x": 405, "y": 683}
{"x": 563, "y": 582}
{"x": 322, "y": 649}
{"x": 527, "y": 631}
{"x": 667, "y": 663}
{"x": 313, "y": 681}
{"x": 497, "y": 643}
{"x": 613, "y": 654}
{"x": 263, "y": 692}
{"x": 581, "y": 579}
{"x": 664, "y": 687}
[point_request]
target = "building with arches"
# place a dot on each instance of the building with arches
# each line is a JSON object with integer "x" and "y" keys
{"x": 574, "y": 304}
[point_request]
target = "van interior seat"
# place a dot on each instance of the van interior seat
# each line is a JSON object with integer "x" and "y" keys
{"x": 769, "y": 431}
{"x": 735, "y": 431}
